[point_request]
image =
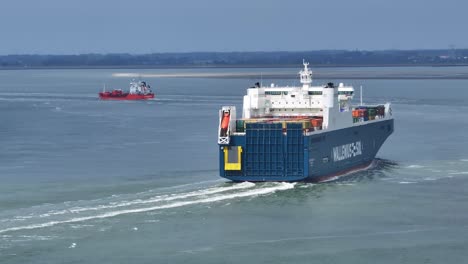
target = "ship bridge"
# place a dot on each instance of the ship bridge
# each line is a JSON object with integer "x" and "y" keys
{"x": 298, "y": 101}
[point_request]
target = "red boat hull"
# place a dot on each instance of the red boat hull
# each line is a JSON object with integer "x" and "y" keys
{"x": 125, "y": 96}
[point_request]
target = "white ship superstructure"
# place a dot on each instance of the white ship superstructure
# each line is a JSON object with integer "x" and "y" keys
{"x": 330, "y": 102}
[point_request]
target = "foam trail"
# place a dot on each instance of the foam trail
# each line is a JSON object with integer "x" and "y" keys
{"x": 255, "y": 192}
{"x": 459, "y": 173}
{"x": 190, "y": 184}
{"x": 415, "y": 167}
{"x": 161, "y": 198}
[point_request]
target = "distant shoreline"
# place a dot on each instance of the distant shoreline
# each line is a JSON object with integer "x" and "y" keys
{"x": 239, "y": 59}
{"x": 321, "y": 72}
{"x": 266, "y": 66}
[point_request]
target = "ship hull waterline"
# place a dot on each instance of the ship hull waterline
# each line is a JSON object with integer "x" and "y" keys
{"x": 127, "y": 97}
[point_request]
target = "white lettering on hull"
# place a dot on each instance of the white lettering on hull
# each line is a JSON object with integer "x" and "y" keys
{"x": 347, "y": 151}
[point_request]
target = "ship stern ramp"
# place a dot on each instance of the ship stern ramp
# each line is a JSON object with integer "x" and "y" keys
{"x": 266, "y": 153}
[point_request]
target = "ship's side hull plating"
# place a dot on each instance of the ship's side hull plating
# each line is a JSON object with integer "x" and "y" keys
{"x": 266, "y": 154}
{"x": 126, "y": 96}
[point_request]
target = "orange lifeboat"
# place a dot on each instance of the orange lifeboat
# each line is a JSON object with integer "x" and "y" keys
{"x": 316, "y": 122}
{"x": 225, "y": 123}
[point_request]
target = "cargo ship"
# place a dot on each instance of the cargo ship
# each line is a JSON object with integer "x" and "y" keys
{"x": 304, "y": 133}
{"x": 138, "y": 91}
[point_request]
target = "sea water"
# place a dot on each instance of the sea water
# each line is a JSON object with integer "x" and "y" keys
{"x": 90, "y": 181}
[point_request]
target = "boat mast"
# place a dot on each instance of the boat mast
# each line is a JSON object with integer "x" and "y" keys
{"x": 306, "y": 76}
{"x": 361, "y": 95}
{"x": 261, "y": 79}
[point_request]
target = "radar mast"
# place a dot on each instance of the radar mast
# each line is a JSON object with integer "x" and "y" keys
{"x": 306, "y": 76}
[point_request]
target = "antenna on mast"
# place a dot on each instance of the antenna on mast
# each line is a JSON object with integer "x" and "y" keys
{"x": 261, "y": 79}
{"x": 306, "y": 76}
{"x": 361, "y": 95}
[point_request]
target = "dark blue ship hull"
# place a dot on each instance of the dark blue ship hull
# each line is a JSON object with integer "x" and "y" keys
{"x": 265, "y": 153}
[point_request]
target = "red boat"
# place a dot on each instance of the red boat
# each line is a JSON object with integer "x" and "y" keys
{"x": 138, "y": 91}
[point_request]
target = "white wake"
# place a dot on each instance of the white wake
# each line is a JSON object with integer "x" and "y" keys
{"x": 159, "y": 202}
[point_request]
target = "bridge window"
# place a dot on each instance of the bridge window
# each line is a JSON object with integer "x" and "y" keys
{"x": 273, "y": 92}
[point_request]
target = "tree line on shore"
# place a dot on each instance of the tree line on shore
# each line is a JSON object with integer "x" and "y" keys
{"x": 244, "y": 59}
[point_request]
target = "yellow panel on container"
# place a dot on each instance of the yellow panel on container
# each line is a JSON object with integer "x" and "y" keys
{"x": 232, "y": 158}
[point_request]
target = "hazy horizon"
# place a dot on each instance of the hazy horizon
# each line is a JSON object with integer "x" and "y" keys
{"x": 56, "y": 27}
{"x": 229, "y": 51}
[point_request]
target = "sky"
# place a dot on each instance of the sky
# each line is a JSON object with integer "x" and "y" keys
{"x": 153, "y": 26}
